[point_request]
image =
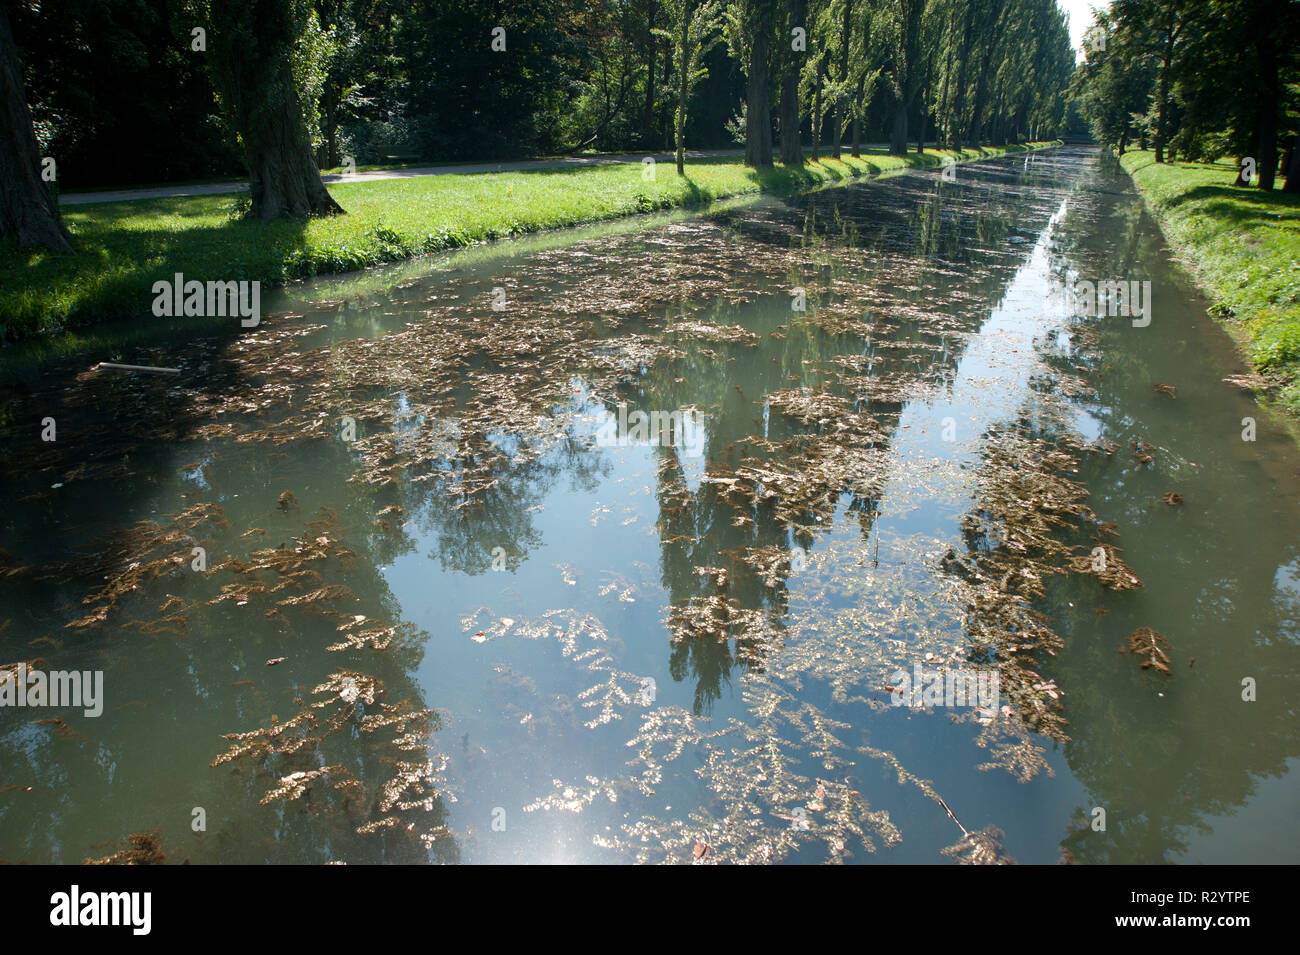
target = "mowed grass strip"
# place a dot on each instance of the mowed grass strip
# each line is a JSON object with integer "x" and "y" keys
{"x": 124, "y": 247}
{"x": 1243, "y": 246}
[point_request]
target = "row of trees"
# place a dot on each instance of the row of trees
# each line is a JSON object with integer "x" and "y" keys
{"x": 978, "y": 70}
{"x": 148, "y": 90}
{"x": 1197, "y": 80}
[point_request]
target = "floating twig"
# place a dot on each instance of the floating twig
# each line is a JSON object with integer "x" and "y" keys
{"x": 115, "y": 366}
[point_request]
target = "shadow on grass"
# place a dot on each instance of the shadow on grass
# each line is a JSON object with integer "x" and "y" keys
{"x": 117, "y": 263}
{"x": 1238, "y": 202}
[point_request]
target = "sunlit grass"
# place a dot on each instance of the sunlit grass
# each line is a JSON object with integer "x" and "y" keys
{"x": 1244, "y": 246}
{"x": 124, "y": 247}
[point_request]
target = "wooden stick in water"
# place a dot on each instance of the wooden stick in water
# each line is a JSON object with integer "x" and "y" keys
{"x": 159, "y": 371}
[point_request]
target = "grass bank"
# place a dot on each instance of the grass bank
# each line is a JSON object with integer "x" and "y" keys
{"x": 124, "y": 247}
{"x": 1243, "y": 247}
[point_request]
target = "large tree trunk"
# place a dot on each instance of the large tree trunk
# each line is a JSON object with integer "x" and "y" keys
{"x": 791, "y": 147}
{"x": 898, "y": 133}
{"x": 285, "y": 182}
{"x": 28, "y": 212}
{"x": 758, "y": 108}
{"x": 250, "y": 45}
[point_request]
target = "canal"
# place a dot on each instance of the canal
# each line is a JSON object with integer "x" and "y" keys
{"x": 633, "y": 543}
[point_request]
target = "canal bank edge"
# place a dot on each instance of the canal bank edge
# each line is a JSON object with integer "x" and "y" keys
{"x": 1241, "y": 247}
{"x": 117, "y": 243}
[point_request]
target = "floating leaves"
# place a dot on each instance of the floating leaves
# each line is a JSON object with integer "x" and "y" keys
{"x": 142, "y": 848}
{"x": 982, "y": 847}
{"x": 1151, "y": 647}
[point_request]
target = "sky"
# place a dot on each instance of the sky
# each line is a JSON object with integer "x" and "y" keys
{"x": 1080, "y": 14}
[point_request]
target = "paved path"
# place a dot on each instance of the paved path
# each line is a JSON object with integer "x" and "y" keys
{"x": 219, "y": 188}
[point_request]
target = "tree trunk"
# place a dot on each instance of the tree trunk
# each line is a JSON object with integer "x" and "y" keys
{"x": 249, "y": 64}
{"x": 285, "y": 183}
{"x": 925, "y": 94}
{"x": 791, "y": 147}
{"x": 679, "y": 123}
{"x": 1270, "y": 91}
{"x": 647, "y": 113}
{"x": 758, "y": 108}
{"x": 898, "y": 135}
{"x": 942, "y": 114}
{"x": 857, "y": 118}
{"x": 28, "y": 212}
{"x": 1162, "y": 103}
{"x": 817, "y": 111}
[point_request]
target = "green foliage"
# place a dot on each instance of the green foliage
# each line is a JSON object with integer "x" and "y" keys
{"x": 316, "y": 48}
{"x": 1204, "y": 79}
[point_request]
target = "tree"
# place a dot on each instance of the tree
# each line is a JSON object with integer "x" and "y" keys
{"x": 905, "y": 74}
{"x": 250, "y": 46}
{"x": 749, "y": 25}
{"x": 794, "y": 54}
{"x": 28, "y": 212}
{"x": 1200, "y": 80}
{"x": 843, "y": 81}
{"x": 695, "y": 31}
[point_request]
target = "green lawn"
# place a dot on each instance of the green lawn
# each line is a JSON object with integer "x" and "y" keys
{"x": 124, "y": 247}
{"x": 1243, "y": 246}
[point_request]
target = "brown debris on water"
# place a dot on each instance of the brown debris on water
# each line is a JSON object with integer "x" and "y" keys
{"x": 1144, "y": 452}
{"x": 982, "y": 847}
{"x": 134, "y": 558}
{"x": 1151, "y": 646}
{"x": 1102, "y": 561}
{"x": 143, "y": 848}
